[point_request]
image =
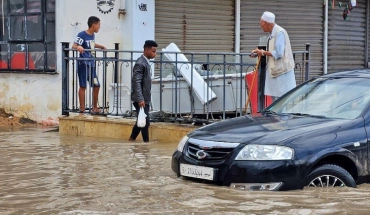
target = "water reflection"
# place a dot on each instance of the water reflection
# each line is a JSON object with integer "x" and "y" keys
{"x": 43, "y": 173}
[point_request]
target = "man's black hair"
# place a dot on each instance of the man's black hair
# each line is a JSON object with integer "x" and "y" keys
{"x": 150, "y": 44}
{"x": 92, "y": 20}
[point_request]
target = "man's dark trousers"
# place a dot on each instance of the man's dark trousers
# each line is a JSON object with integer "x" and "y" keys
{"x": 144, "y": 131}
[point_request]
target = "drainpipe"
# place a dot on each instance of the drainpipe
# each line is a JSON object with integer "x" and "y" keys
{"x": 238, "y": 59}
{"x": 237, "y": 26}
{"x": 326, "y": 37}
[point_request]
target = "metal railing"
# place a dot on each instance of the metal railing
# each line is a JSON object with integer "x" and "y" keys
{"x": 175, "y": 98}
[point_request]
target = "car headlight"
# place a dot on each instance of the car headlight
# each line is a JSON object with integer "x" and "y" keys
{"x": 265, "y": 152}
{"x": 182, "y": 142}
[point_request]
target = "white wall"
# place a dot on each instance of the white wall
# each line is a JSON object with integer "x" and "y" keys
{"x": 140, "y": 27}
{"x": 38, "y": 97}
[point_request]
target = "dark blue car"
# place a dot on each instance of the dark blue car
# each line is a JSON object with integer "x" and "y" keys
{"x": 315, "y": 135}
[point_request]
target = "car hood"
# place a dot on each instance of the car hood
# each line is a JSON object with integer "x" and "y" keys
{"x": 272, "y": 129}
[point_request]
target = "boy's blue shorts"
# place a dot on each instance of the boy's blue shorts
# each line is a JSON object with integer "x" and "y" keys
{"x": 84, "y": 72}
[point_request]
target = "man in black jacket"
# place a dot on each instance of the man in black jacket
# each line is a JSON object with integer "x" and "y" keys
{"x": 141, "y": 85}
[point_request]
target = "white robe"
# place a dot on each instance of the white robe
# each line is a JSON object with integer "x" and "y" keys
{"x": 282, "y": 84}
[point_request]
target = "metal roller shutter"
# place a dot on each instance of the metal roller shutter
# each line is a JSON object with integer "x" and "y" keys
{"x": 194, "y": 25}
{"x": 346, "y": 38}
{"x": 368, "y": 33}
{"x": 303, "y": 22}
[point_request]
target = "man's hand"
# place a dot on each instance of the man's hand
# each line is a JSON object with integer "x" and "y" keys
{"x": 80, "y": 49}
{"x": 253, "y": 54}
{"x": 259, "y": 52}
{"x": 100, "y": 46}
{"x": 142, "y": 104}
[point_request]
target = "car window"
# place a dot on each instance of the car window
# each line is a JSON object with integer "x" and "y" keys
{"x": 344, "y": 98}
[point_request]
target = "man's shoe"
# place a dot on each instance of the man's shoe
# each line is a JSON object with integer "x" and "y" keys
{"x": 131, "y": 140}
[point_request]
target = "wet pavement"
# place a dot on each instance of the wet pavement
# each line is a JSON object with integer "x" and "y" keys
{"x": 45, "y": 173}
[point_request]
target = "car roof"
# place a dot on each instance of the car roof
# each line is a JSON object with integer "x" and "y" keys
{"x": 358, "y": 73}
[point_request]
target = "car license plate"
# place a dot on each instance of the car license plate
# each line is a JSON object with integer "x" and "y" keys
{"x": 197, "y": 171}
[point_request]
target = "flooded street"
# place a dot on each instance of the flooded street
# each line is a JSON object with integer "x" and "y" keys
{"x": 45, "y": 173}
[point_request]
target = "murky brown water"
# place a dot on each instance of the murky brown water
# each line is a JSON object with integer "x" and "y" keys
{"x": 44, "y": 173}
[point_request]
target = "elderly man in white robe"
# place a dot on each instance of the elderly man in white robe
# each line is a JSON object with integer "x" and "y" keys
{"x": 280, "y": 76}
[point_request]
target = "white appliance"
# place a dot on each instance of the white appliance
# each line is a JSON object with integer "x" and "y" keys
{"x": 204, "y": 93}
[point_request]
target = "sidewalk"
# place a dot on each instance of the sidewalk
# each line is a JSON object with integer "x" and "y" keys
{"x": 105, "y": 127}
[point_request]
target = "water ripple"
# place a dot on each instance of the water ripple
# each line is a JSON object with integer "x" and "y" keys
{"x": 44, "y": 173}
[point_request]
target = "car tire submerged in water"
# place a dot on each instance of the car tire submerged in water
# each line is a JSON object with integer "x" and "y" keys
{"x": 330, "y": 175}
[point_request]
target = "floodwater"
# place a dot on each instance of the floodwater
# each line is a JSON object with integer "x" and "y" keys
{"x": 45, "y": 173}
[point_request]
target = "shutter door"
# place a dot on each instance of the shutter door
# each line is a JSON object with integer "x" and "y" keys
{"x": 195, "y": 25}
{"x": 368, "y": 36}
{"x": 303, "y": 22}
{"x": 346, "y": 45}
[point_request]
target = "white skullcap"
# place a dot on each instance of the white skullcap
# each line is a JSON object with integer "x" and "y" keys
{"x": 268, "y": 17}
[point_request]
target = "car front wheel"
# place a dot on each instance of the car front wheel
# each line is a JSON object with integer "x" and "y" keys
{"x": 330, "y": 175}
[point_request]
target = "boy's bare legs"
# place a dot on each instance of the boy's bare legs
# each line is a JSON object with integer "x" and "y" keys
{"x": 95, "y": 99}
{"x": 81, "y": 97}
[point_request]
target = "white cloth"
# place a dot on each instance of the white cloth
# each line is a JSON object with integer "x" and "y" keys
{"x": 268, "y": 17}
{"x": 146, "y": 59}
{"x": 282, "y": 84}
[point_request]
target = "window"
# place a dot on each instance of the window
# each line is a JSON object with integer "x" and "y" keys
{"x": 27, "y": 36}
{"x": 344, "y": 98}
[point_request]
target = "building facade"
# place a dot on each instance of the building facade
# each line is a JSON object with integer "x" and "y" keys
{"x": 32, "y": 32}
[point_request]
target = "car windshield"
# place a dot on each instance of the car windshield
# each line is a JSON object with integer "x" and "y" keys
{"x": 344, "y": 98}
